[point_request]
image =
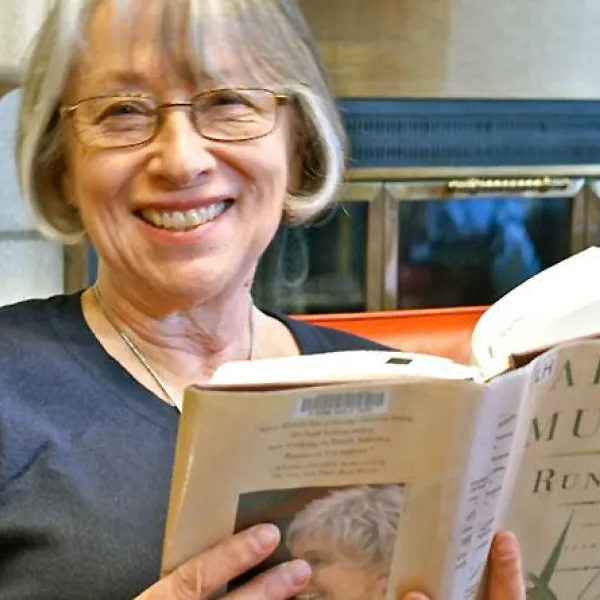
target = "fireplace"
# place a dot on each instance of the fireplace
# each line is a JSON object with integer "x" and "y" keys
{"x": 447, "y": 203}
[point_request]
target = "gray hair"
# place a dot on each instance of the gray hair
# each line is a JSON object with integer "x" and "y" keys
{"x": 274, "y": 48}
{"x": 357, "y": 523}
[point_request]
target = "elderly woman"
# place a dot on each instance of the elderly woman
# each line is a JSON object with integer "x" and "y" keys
{"x": 348, "y": 538}
{"x": 175, "y": 135}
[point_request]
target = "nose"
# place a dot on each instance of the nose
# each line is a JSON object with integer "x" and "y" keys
{"x": 181, "y": 155}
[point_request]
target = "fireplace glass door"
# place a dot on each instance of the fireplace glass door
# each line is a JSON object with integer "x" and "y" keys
{"x": 469, "y": 242}
{"x": 331, "y": 265}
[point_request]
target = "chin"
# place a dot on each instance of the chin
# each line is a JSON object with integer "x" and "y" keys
{"x": 193, "y": 280}
{"x": 187, "y": 291}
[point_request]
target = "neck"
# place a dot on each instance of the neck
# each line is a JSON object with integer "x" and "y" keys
{"x": 177, "y": 346}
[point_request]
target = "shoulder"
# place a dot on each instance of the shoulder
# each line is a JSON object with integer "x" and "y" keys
{"x": 36, "y": 322}
{"x": 315, "y": 339}
{"x": 31, "y": 356}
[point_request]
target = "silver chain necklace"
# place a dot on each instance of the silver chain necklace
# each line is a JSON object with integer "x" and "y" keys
{"x": 135, "y": 350}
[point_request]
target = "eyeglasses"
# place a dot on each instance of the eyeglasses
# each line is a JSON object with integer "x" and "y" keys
{"x": 222, "y": 115}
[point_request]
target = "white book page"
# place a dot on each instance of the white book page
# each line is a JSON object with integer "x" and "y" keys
{"x": 581, "y": 323}
{"x": 527, "y": 318}
{"x": 341, "y": 366}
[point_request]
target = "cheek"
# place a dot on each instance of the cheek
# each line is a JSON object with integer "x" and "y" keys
{"x": 266, "y": 164}
{"x": 101, "y": 182}
{"x": 272, "y": 183}
{"x": 344, "y": 584}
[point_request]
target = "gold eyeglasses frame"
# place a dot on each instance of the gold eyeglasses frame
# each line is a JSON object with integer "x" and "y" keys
{"x": 69, "y": 112}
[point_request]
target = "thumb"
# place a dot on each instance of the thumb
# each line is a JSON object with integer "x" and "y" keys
{"x": 506, "y": 576}
{"x": 204, "y": 575}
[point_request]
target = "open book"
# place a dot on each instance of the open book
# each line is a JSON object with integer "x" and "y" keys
{"x": 379, "y": 466}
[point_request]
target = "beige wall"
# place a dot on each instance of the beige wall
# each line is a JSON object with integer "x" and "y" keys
{"x": 372, "y": 45}
{"x": 460, "y": 48}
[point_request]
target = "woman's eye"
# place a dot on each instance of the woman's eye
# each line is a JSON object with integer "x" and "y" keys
{"x": 228, "y": 109}
{"x": 124, "y": 109}
{"x": 228, "y": 101}
{"x": 230, "y": 98}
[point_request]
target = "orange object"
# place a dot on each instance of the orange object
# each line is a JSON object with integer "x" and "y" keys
{"x": 443, "y": 332}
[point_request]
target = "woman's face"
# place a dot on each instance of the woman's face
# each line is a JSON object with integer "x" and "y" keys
{"x": 176, "y": 172}
{"x": 337, "y": 578}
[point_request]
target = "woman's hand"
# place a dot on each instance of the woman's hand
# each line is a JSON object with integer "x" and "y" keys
{"x": 506, "y": 575}
{"x": 204, "y": 575}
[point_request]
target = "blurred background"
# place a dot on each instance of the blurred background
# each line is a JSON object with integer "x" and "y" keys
{"x": 475, "y": 157}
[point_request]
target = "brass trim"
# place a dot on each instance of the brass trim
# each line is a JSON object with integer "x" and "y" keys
{"x": 359, "y": 192}
{"x": 394, "y": 173}
{"x": 76, "y": 267}
{"x": 476, "y": 185}
{"x": 594, "y": 186}
{"x": 592, "y": 191}
{"x": 579, "y": 225}
{"x": 425, "y": 190}
{"x": 391, "y": 245}
{"x": 374, "y": 278}
{"x": 372, "y": 194}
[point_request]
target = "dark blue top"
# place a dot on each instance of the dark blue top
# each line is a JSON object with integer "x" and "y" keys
{"x": 85, "y": 457}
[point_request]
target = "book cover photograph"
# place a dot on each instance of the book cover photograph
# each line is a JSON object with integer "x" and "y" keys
{"x": 346, "y": 533}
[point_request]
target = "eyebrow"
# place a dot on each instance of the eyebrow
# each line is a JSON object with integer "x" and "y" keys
{"x": 127, "y": 78}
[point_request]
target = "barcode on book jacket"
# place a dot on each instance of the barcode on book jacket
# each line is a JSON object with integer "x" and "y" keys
{"x": 342, "y": 405}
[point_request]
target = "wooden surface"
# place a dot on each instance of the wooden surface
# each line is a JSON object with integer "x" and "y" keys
{"x": 460, "y": 48}
{"x": 5, "y": 88}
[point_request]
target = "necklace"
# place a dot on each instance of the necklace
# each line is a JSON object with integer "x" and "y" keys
{"x": 141, "y": 357}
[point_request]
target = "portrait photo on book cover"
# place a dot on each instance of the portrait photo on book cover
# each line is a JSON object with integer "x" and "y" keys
{"x": 346, "y": 533}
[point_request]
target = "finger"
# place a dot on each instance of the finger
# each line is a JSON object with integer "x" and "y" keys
{"x": 413, "y": 588}
{"x": 279, "y": 583}
{"x": 202, "y": 576}
{"x": 506, "y": 573}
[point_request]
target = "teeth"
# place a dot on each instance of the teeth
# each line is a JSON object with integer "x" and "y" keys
{"x": 182, "y": 221}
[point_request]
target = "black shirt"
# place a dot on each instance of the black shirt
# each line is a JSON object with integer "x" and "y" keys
{"x": 86, "y": 454}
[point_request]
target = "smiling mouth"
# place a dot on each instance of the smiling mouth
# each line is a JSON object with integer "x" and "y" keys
{"x": 183, "y": 220}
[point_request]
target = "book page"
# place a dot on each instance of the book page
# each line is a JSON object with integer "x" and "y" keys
{"x": 355, "y": 365}
{"x": 554, "y": 505}
{"x": 538, "y": 313}
{"x": 418, "y": 455}
{"x": 490, "y": 459}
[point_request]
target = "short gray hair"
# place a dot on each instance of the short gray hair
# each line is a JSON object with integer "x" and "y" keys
{"x": 357, "y": 523}
{"x": 274, "y": 48}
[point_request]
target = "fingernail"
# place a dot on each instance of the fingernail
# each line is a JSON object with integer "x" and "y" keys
{"x": 415, "y": 596}
{"x": 267, "y": 536}
{"x": 505, "y": 545}
{"x": 299, "y": 572}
